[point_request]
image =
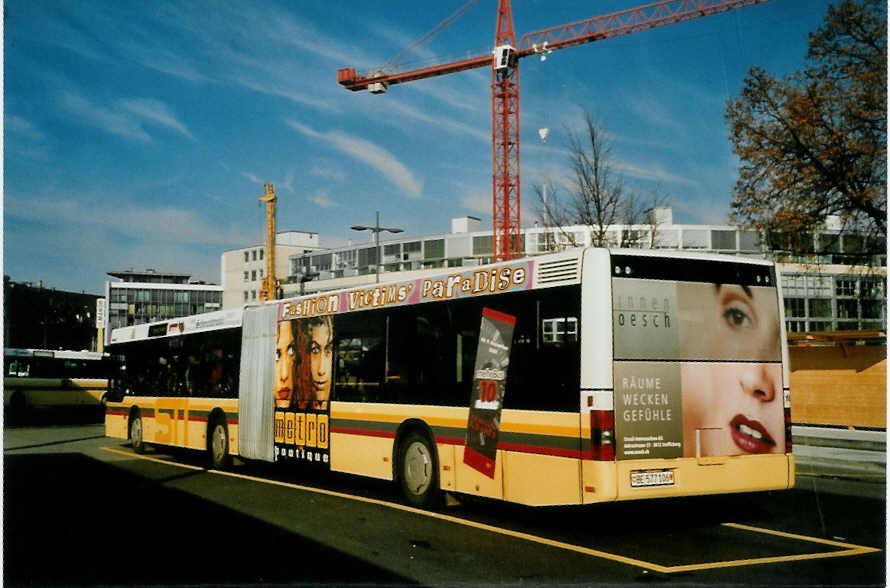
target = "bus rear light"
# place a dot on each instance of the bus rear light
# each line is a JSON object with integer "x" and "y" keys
{"x": 602, "y": 434}
{"x": 788, "y": 443}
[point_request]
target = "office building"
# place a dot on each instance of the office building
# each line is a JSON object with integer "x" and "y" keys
{"x": 136, "y": 297}
{"x": 242, "y": 270}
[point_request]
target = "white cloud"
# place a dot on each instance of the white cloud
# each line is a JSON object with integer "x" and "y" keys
{"x": 116, "y": 123}
{"x": 127, "y": 118}
{"x": 327, "y": 172}
{"x": 252, "y": 177}
{"x": 156, "y": 112}
{"x": 322, "y": 200}
{"x": 162, "y": 223}
{"x": 369, "y": 153}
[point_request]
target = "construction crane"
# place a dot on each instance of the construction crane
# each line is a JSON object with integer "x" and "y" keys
{"x": 269, "y": 285}
{"x": 505, "y": 85}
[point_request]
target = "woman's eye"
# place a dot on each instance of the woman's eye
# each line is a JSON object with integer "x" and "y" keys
{"x": 737, "y": 318}
{"x": 277, "y": 354}
{"x": 291, "y": 351}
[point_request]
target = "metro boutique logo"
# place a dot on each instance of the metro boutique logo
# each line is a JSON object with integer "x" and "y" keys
{"x": 643, "y": 312}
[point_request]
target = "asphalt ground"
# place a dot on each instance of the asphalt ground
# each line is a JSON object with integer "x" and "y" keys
{"x": 81, "y": 509}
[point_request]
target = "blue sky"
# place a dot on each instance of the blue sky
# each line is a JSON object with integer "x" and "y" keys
{"x": 139, "y": 134}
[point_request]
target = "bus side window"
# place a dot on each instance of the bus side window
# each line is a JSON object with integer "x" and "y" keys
{"x": 360, "y": 356}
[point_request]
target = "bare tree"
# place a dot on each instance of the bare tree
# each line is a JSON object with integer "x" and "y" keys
{"x": 596, "y": 190}
{"x": 596, "y": 195}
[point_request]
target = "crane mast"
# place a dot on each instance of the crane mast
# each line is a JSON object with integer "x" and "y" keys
{"x": 505, "y": 86}
{"x": 269, "y": 284}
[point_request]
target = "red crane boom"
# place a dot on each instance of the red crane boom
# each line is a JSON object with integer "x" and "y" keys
{"x": 505, "y": 86}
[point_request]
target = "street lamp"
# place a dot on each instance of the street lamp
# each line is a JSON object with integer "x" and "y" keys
{"x": 376, "y": 230}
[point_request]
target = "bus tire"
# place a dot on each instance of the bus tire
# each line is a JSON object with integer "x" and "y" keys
{"x": 137, "y": 442}
{"x": 418, "y": 470}
{"x": 218, "y": 444}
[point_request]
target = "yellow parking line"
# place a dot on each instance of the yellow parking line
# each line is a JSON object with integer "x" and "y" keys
{"x": 849, "y": 549}
{"x": 154, "y": 459}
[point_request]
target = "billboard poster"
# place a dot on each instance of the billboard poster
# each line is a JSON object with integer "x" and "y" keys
{"x": 489, "y": 382}
{"x": 697, "y": 367}
{"x": 303, "y": 375}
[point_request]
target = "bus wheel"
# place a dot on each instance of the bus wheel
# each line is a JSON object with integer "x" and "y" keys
{"x": 136, "y": 441}
{"x": 418, "y": 476}
{"x": 219, "y": 445}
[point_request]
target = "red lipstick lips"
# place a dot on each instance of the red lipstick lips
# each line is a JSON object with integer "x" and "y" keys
{"x": 750, "y": 436}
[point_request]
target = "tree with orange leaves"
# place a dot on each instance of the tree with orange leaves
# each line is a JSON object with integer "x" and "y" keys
{"x": 814, "y": 143}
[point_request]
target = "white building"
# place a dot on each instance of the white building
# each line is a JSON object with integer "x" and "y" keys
{"x": 823, "y": 292}
{"x": 242, "y": 270}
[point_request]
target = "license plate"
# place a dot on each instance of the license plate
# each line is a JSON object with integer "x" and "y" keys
{"x": 642, "y": 478}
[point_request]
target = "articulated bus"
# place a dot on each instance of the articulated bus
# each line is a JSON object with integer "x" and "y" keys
{"x": 584, "y": 376}
{"x": 35, "y": 379}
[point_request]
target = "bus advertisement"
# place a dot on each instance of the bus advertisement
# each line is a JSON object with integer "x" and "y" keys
{"x": 571, "y": 378}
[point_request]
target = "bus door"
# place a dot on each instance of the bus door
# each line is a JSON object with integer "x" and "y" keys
{"x": 255, "y": 386}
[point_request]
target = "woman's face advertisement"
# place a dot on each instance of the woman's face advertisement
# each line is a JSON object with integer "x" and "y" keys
{"x": 285, "y": 357}
{"x": 304, "y": 364}
{"x": 697, "y": 369}
{"x": 737, "y": 406}
{"x": 321, "y": 361}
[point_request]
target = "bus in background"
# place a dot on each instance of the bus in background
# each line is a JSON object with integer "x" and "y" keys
{"x": 578, "y": 377}
{"x": 39, "y": 379}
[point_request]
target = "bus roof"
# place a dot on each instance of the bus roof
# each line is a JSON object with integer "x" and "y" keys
{"x": 53, "y": 353}
{"x": 197, "y": 323}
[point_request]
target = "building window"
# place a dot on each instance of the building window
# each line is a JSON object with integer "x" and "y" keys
{"x": 819, "y": 308}
{"x": 262, "y": 251}
{"x": 846, "y": 309}
{"x": 845, "y": 287}
{"x": 246, "y": 256}
{"x": 434, "y": 249}
{"x": 794, "y": 307}
{"x": 723, "y": 240}
{"x": 872, "y": 309}
{"x": 749, "y": 241}
{"x": 246, "y": 296}
{"x": 253, "y": 294}
{"x": 793, "y": 284}
{"x": 872, "y": 288}
{"x": 819, "y": 286}
{"x": 483, "y": 245}
{"x": 246, "y": 276}
{"x": 253, "y": 276}
{"x": 695, "y": 239}
{"x": 254, "y": 254}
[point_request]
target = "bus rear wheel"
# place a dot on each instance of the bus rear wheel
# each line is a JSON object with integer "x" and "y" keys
{"x": 218, "y": 445}
{"x": 136, "y": 440}
{"x": 418, "y": 475}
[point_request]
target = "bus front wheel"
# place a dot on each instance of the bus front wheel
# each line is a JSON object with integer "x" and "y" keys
{"x": 418, "y": 475}
{"x": 219, "y": 445}
{"x": 136, "y": 440}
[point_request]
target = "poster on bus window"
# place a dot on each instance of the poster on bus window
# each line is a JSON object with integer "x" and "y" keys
{"x": 697, "y": 368}
{"x": 302, "y": 388}
{"x": 489, "y": 383}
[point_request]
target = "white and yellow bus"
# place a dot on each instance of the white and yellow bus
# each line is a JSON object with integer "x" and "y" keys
{"x": 579, "y": 377}
{"x": 37, "y": 379}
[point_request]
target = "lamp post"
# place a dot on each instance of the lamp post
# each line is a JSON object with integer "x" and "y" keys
{"x": 376, "y": 230}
